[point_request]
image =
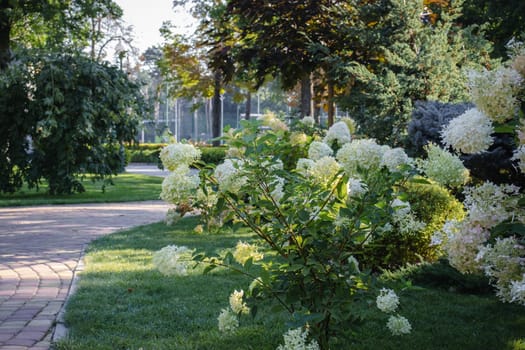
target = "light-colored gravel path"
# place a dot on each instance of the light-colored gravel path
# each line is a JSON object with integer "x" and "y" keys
{"x": 40, "y": 251}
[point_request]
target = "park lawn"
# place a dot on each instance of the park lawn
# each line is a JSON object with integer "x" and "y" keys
{"x": 123, "y": 303}
{"x": 126, "y": 188}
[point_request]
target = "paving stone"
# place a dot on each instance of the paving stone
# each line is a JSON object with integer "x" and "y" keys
{"x": 37, "y": 273}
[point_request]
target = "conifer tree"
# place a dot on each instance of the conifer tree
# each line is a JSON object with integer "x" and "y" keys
{"x": 402, "y": 60}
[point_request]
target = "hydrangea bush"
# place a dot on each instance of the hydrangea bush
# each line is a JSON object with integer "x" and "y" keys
{"x": 491, "y": 237}
{"x": 317, "y": 219}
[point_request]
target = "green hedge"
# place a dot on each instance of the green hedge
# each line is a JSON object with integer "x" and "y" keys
{"x": 149, "y": 153}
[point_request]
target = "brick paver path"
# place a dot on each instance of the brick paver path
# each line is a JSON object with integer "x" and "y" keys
{"x": 40, "y": 249}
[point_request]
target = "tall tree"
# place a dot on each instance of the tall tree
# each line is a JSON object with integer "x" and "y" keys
{"x": 397, "y": 59}
{"x": 500, "y": 20}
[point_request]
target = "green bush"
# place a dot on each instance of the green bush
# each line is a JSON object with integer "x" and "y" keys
{"x": 149, "y": 153}
{"x": 144, "y": 153}
{"x": 431, "y": 204}
{"x": 441, "y": 275}
{"x": 213, "y": 155}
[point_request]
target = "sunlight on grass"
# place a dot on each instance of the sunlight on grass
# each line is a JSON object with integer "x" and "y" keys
{"x": 124, "y": 303}
{"x": 126, "y": 188}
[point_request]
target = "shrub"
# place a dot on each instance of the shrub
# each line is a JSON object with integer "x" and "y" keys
{"x": 428, "y": 118}
{"x": 149, "y": 153}
{"x": 431, "y": 204}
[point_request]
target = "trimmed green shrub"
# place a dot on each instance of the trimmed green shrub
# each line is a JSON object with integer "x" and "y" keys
{"x": 431, "y": 204}
{"x": 149, "y": 153}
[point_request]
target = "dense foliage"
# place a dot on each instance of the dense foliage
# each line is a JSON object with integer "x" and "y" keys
{"x": 64, "y": 116}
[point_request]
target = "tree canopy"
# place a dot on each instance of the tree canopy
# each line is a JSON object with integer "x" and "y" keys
{"x": 64, "y": 112}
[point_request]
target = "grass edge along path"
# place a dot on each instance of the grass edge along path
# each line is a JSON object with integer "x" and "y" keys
{"x": 123, "y": 303}
{"x": 127, "y": 188}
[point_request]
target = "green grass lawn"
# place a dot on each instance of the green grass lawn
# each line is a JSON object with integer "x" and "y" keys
{"x": 126, "y": 188}
{"x": 124, "y": 303}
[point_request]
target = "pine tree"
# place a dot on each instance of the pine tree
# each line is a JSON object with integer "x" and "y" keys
{"x": 404, "y": 60}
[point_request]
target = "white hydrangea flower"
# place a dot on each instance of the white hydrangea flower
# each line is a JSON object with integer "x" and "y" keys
{"x": 296, "y": 339}
{"x": 490, "y": 204}
{"x": 393, "y": 158}
{"x": 365, "y": 154}
{"x": 324, "y": 169}
{"x": 173, "y": 260}
{"x": 470, "y": 133}
{"x": 237, "y": 304}
{"x": 180, "y": 185}
{"x": 337, "y": 135}
{"x": 517, "y": 291}
{"x": 354, "y": 263}
{"x": 503, "y": 263}
{"x": 228, "y": 321}
{"x": 244, "y": 251}
{"x": 494, "y": 92}
{"x": 304, "y": 165}
{"x": 273, "y": 122}
{"x": 278, "y": 191}
{"x": 298, "y": 138}
{"x": 356, "y": 188}
{"x": 318, "y": 150}
{"x": 227, "y": 174}
{"x": 519, "y": 155}
{"x": 179, "y": 154}
{"x": 235, "y": 152}
{"x": 398, "y": 325}
{"x": 387, "y": 300}
{"x": 308, "y": 121}
{"x": 462, "y": 243}
{"x": 443, "y": 167}
{"x": 401, "y": 208}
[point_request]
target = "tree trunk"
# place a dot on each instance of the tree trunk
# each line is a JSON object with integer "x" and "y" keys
{"x": 216, "y": 110}
{"x": 306, "y": 97}
{"x": 5, "y": 34}
{"x": 248, "y": 105}
{"x": 331, "y": 105}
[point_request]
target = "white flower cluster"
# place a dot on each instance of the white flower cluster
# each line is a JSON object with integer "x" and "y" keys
{"x": 393, "y": 158}
{"x": 356, "y": 188}
{"x": 470, "y": 133}
{"x": 503, "y": 263}
{"x": 273, "y": 122}
{"x": 324, "y": 170}
{"x": 308, "y": 121}
{"x": 179, "y": 186}
{"x": 173, "y": 260}
{"x": 228, "y": 176}
{"x": 388, "y": 302}
{"x": 517, "y": 291}
{"x": 404, "y": 219}
{"x": 443, "y": 167}
{"x": 179, "y": 154}
{"x": 229, "y": 317}
{"x": 490, "y": 204}
{"x": 494, "y": 92}
{"x": 363, "y": 154}
{"x": 398, "y": 325}
{"x": 519, "y": 155}
{"x": 337, "y": 135}
{"x": 318, "y": 150}
{"x": 237, "y": 305}
{"x": 298, "y": 138}
{"x": 244, "y": 251}
{"x": 462, "y": 241}
{"x": 296, "y": 339}
{"x": 228, "y": 321}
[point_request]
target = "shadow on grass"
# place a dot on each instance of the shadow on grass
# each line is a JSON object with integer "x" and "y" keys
{"x": 124, "y": 303}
